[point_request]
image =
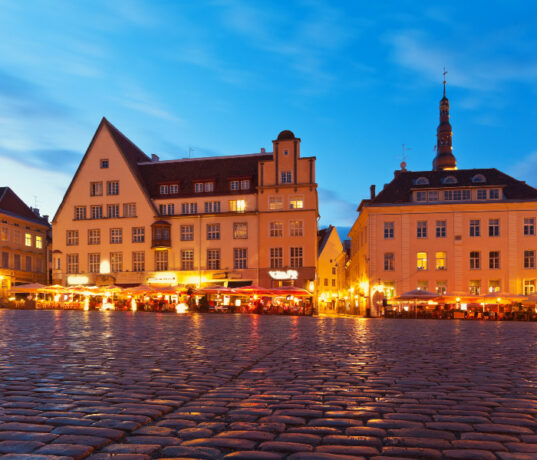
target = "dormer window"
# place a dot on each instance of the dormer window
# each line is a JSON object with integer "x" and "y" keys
{"x": 245, "y": 184}
{"x": 421, "y": 181}
{"x": 174, "y": 189}
{"x": 479, "y": 179}
{"x": 200, "y": 187}
{"x": 164, "y": 189}
{"x": 449, "y": 180}
{"x": 234, "y": 185}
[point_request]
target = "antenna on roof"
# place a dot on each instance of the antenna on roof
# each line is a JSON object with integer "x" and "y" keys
{"x": 35, "y": 202}
{"x": 405, "y": 150}
{"x": 190, "y": 150}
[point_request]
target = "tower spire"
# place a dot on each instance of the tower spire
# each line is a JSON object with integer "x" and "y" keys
{"x": 444, "y": 155}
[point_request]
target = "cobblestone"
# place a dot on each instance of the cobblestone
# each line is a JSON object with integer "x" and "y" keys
{"x": 123, "y": 386}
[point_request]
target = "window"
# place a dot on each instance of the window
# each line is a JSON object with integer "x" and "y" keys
{"x": 209, "y": 186}
{"x": 457, "y": 195}
{"x": 5, "y": 234}
{"x": 333, "y": 270}
{"x": 189, "y": 208}
{"x": 116, "y": 262}
{"x": 494, "y": 194}
{"x": 234, "y": 185}
{"x": 433, "y": 196}
{"x": 333, "y": 282}
{"x": 421, "y": 229}
{"x": 16, "y": 261}
{"x": 112, "y": 187}
{"x": 326, "y": 281}
{"x": 94, "y": 262}
{"x": 39, "y": 264}
{"x": 72, "y": 263}
{"x": 174, "y": 189}
{"x": 113, "y": 210}
{"x": 479, "y": 179}
{"x": 494, "y": 286}
{"x": 104, "y": 163}
{"x": 296, "y": 257}
{"x": 163, "y": 189}
{"x": 389, "y": 228}
{"x": 80, "y": 212}
{"x": 161, "y": 233}
{"x": 441, "y": 226}
{"x": 441, "y": 258}
{"x": 275, "y": 203}
{"x": 296, "y": 228}
{"x": 449, "y": 180}
{"x": 187, "y": 259}
{"x": 213, "y": 231}
{"x": 529, "y": 286}
{"x": 240, "y": 230}
{"x": 389, "y": 261}
{"x": 96, "y": 188}
{"x": 529, "y": 259}
{"x": 276, "y": 257}
{"x": 72, "y": 238}
{"x": 245, "y": 184}
{"x": 475, "y": 260}
{"x": 212, "y": 206}
{"x": 97, "y": 212}
{"x": 167, "y": 209}
{"x": 237, "y": 205}
{"x": 28, "y": 239}
{"x": 286, "y": 177}
{"x": 200, "y": 187}
{"x": 28, "y": 263}
{"x": 296, "y": 202}
{"x": 138, "y": 234}
{"x": 286, "y": 152}
{"x": 482, "y": 194}
{"x": 138, "y": 261}
{"x": 421, "y": 196}
{"x": 475, "y": 229}
{"x": 276, "y": 229}
{"x": 441, "y": 287}
{"x": 529, "y": 226}
{"x": 116, "y": 235}
{"x": 475, "y": 287}
{"x": 421, "y": 181}
{"x": 39, "y": 242}
{"x": 129, "y": 210}
{"x": 94, "y": 236}
{"x": 494, "y": 259}
{"x": 494, "y": 227}
{"x": 423, "y": 285}
{"x": 240, "y": 258}
{"x": 187, "y": 232}
{"x": 421, "y": 261}
{"x": 213, "y": 259}
{"x": 161, "y": 261}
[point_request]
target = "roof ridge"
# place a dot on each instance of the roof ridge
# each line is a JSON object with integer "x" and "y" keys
{"x": 216, "y": 157}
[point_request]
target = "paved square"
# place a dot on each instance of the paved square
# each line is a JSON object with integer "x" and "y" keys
{"x": 137, "y": 386}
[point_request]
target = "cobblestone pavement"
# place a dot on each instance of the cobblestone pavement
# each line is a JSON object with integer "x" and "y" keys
{"x": 138, "y": 386}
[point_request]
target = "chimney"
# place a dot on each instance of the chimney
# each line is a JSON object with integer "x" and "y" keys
{"x": 45, "y": 217}
{"x": 263, "y": 150}
{"x": 35, "y": 211}
{"x": 154, "y": 157}
{"x": 372, "y": 190}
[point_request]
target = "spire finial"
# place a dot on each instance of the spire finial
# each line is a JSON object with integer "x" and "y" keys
{"x": 444, "y": 74}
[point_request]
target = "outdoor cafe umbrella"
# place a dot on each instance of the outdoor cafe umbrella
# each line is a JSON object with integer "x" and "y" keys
{"x": 215, "y": 290}
{"x": 253, "y": 290}
{"x": 501, "y": 298}
{"x": 141, "y": 289}
{"x": 31, "y": 287}
{"x": 417, "y": 294}
{"x": 292, "y": 290}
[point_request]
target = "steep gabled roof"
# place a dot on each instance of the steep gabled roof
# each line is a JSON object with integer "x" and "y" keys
{"x": 399, "y": 190}
{"x": 12, "y": 205}
{"x": 323, "y": 236}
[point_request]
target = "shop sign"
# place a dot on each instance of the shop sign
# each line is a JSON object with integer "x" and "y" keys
{"x": 77, "y": 279}
{"x": 283, "y": 275}
{"x": 163, "y": 278}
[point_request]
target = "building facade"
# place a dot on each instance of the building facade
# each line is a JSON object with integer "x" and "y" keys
{"x": 23, "y": 243}
{"x": 331, "y": 289}
{"x": 447, "y": 230}
{"x": 130, "y": 219}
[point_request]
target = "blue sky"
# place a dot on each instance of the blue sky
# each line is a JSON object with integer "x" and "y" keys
{"x": 353, "y": 79}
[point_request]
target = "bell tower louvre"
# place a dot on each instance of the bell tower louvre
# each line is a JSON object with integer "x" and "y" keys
{"x": 444, "y": 160}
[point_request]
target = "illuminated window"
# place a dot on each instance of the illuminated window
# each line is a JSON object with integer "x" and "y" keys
{"x": 494, "y": 259}
{"x": 96, "y": 188}
{"x": 276, "y": 257}
{"x": 116, "y": 235}
{"x": 275, "y": 203}
{"x": 113, "y": 210}
{"x": 80, "y": 212}
{"x": 39, "y": 242}
{"x": 94, "y": 236}
{"x": 72, "y": 263}
{"x": 529, "y": 226}
{"x": 116, "y": 262}
{"x": 422, "y": 261}
{"x": 138, "y": 234}
{"x": 28, "y": 239}
{"x": 423, "y": 285}
{"x": 5, "y": 234}
{"x": 296, "y": 202}
{"x": 440, "y": 260}
{"x": 441, "y": 226}
{"x": 138, "y": 261}
{"x": 475, "y": 287}
{"x": 161, "y": 261}
{"x": 213, "y": 259}
{"x": 296, "y": 259}
{"x": 296, "y": 228}
{"x": 240, "y": 230}
{"x": 389, "y": 229}
{"x": 112, "y": 187}
{"x": 421, "y": 229}
{"x": 72, "y": 238}
{"x": 529, "y": 286}
{"x": 276, "y": 229}
{"x": 213, "y": 231}
{"x": 475, "y": 260}
{"x": 441, "y": 287}
{"x": 129, "y": 210}
{"x": 94, "y": 262}
{"x": 240, "y": 258}
{"x": 187, "y": 259}
{"x": 494, "y": 286}
{"x": 389, "y": 261}
{"x": 237, "y": 205}
{"x": 187, "y": 233}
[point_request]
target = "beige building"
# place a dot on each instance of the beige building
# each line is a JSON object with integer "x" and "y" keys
{"x": 129, "y": 219}
{"x": 447, "y": 230}
{"x": 23, "y": 243}
{"x": 331, "y": 289}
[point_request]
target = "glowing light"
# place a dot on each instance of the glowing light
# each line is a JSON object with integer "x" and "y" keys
{"x": 464, "y": 306}
{"x": 311, "y": 286}
{"x": 133, "y": 305}
{"x": 163, "y": 278}
{"x": 499, "y": 300}
{"x": 105, "y": 267}
{"x": 181, "y": 308}
{"x": 86, "y": 304}
{"x": 364, "y": 286}
{"x": 77, "y": 279}
{"x": 458, "y": 299}
{"x": 405, "y": 308}
{"x": 283, "y": 275}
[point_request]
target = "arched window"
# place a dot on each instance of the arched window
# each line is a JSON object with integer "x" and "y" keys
{"x": 421, "y": 181}
{"x": 449, "y": 180}
{"x": 479, "y": 179}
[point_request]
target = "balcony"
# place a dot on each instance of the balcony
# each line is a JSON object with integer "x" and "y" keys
{"x": 160, "y": 232}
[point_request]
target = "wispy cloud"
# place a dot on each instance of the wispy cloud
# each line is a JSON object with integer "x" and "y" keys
{"x": 526, "y": 169}
{"x": 335, "y": 210}
{"x": 136, "y": 98}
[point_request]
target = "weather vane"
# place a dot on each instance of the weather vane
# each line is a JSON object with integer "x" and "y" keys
{"x": 444, "y": 74}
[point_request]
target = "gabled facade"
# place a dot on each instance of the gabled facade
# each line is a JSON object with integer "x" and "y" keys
{"x": 128, "y": 218}
{"x": 24, "y": 236}
{"x": 331, "y": 290}
{"x": 447, "y": 230}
